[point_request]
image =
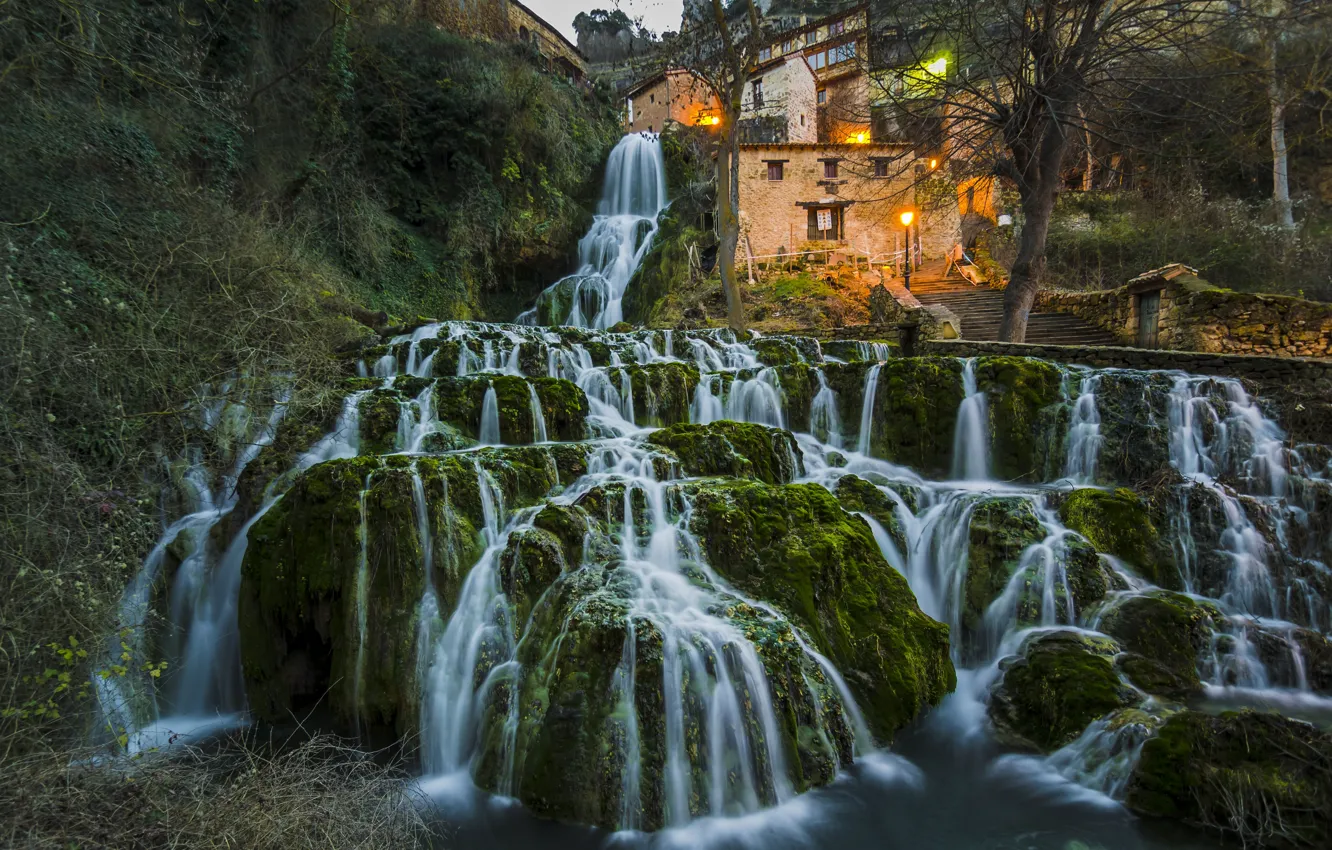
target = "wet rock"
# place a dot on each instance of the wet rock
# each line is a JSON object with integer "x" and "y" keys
{"x": 1261, "y": 779}
{"x": 1058, "y": 683}
{"x": 1024, "y": 403}
{"x": 1164, "y": 635}
{"x": 795, "y": 547}
{"x": 735, "y": 449}
{"x": 1118, "y": 523}
{"x": 663, "y": 392}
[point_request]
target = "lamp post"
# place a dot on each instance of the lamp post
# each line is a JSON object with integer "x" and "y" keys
{"x": 907, "y": 217}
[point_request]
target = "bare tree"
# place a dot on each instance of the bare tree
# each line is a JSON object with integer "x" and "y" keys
{"x": 721, "y": 48}
{"x": 1009, "y": 86}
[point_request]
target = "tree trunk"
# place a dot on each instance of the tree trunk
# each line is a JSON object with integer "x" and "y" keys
{"x": 1285, "y": 214}
{"x": 1024, "y": 278}
{"x": 728, "y": 223}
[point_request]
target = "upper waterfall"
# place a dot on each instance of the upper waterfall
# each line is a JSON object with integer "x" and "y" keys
{"x": 608, "y": 255}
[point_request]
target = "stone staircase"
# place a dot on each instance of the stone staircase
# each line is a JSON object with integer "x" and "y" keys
{"x": 981, "y": 309}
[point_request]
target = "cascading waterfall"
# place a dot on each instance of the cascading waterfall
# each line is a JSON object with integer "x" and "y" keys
{"x": 971, "y": 440}
{"x": 634, "y": 194}
{"x": 721, "y": 705}
{"x": 1084, "y": 434}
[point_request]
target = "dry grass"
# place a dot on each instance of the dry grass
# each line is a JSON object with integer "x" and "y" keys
{"x": 242, "y": 793}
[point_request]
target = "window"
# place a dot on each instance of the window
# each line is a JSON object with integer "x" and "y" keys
{"x": 822, "y": 97}
{"x": 652, "y": 98}
{"x": 830, "y": 169}
{"x": 788, "y": 45}
{"x": 880, "y": 168}
{"x": 818, "y": 60}
{"x": 802, "y": 119}
{"x": 758, "y": 94}
{"x": 630, "y": 102}
{"x": 774, "y": 171}
{"x": 836, "y": 28}
{"x": 825, "y": 223}
{"x": 765, "y": 53}
{"x": 842, "y": 53}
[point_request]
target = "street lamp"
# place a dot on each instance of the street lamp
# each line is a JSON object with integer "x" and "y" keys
{"x": 907, "y": 217}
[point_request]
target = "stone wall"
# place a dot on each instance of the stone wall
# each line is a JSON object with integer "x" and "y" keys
{"x": 1195, "y": 316}
{"x": 673, "y": 96}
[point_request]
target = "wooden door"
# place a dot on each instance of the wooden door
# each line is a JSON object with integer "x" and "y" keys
{"x": 1149, "y": 316}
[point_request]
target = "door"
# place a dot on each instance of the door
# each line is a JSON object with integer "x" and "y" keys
{"x": 1149, "y": 314}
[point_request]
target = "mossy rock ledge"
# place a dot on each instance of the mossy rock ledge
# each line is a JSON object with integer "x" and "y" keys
{"x": 1117, "y": 522}
{"x": 795, "y": 547}
{"x": 1163, "y": 635}
{"x": 1059, "y": 682}
{"x": 734, "y": 449}
{"x": 1259, "y": 779}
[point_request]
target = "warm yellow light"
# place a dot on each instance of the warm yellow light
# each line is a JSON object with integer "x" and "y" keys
{"x": 907, "y": 217}
{"x": 860, "y": 138}
{"x": 938, "y": 67}
{"x": 934, "y": 163}
{"x": 716, "y": 120}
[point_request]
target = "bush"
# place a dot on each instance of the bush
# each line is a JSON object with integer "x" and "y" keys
{"x": 1100, "y": 240}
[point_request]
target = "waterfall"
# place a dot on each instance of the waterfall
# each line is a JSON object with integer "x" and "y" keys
{"x": 538, "y": 417}
{"x": 971, "y": 439}
{"x": 490, "y": 424}
{"x": 824, "y": 422}
{"x": 1084, "y": 433}
{"x": 362, "y": 594}
{"x": 863, "y": 443}
{"x": 633, "y": 195}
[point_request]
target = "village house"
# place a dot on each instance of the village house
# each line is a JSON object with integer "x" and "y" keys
{"x": 509, "y": 20}
{"x": 677, "y": 96}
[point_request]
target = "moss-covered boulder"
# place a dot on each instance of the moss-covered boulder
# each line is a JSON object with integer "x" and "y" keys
{"x": 328, "y": 602}
{"x": 1117, "y": 522}
{"x": 1260, "y": 779}
{"x": 1023, "y": 398}
{"x": 794, "y": 546}
{"x": 734, "y": 449}
{"x": 857, "y": 495}
{"x": 1058, "y": 683}
{"x": 1163, "y": 635}
{"x": 1295, "y": 657}
{"x": 1135, "y": 425}
{"x": 662, "y": 392}
{"x": 914, "y": 411}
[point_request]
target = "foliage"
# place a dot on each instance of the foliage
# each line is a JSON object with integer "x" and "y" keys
{"x": 1099, "y": 240}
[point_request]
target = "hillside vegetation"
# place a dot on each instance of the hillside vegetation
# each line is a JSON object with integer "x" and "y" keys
{"x": 202, "y": 190}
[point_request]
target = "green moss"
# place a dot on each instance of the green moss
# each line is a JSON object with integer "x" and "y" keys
{"x": 663, "y": 392}
{"x": 1059, "y": 684}
{"x": 1242, "y": 774}
{"x": 1165, "y": 634}
{"x": 794, "y": 546}
{"x": 1024, "y": 402}
{"x": 860, "y": 496}
{"x": 735, "y": 449}
{"x": 1118, "y": 523}
{"x": 459, "y": 403}
{"x": 915, "y": 409}
{"x": 380, "y": 412}
{"x": 1000, "y": 530}
{"x": 298, "y": 598}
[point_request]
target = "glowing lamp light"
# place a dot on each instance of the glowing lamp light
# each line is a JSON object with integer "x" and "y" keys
{"x": 934, "y": 163}
{"x": 715, "y": 120}
{"x": 907, "y": 217}
{"x": 859, "y": 138}
{"x": 938, "y": 67}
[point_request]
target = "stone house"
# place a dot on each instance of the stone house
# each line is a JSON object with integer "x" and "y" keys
{"x": 800, "y": 196}
{"x": 510, "y": 20}
{"x": 778, "y": 104}
{"x": 676, "y": 95}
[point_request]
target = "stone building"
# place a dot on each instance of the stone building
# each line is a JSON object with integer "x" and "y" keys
{"x": 509, "y": 20}
{"x": 778, "y": 104}
{"x": 669, "y": 96}
{"x": 810, "y": 196}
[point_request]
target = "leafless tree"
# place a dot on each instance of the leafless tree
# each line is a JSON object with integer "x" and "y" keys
{"x": 1008, "y": 87}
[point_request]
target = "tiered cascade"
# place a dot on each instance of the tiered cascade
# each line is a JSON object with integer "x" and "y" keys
{"x": 596, "y": 573}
